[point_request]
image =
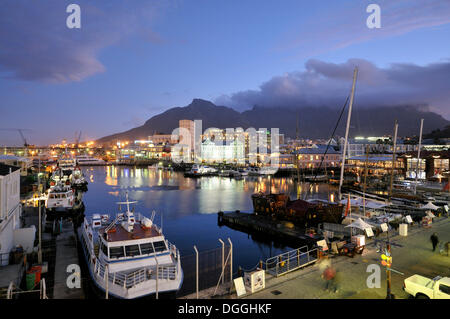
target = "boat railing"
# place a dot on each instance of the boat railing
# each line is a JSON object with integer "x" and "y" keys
{"x": 129, "y": 280}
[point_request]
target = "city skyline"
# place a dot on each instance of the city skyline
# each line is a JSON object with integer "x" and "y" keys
{"x": 131, "y": 61}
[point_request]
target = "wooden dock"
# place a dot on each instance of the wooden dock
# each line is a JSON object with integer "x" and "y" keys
{"x": 273, "y": 229}
{"x": 66, "y": 254}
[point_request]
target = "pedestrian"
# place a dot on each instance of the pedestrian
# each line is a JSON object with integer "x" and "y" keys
{"x": 434, "y": 240}
{"x": 329, "y": 274}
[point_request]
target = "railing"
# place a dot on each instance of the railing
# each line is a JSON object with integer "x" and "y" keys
{"x": 129, "y": 280}
{"x": 291, "y": 260}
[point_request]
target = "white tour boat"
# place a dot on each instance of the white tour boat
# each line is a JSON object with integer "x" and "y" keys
{"x": 129, "y": 256}
{"x": 86, "y": 160}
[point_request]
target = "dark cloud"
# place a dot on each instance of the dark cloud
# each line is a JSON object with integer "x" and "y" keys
{"x": 36, "y": 45}
{"x": 328, "y": 84}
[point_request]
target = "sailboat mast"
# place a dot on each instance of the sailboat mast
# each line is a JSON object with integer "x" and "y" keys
{"x": 344, "y": 152}
{"x": 393, "y": 159}
{"x": 365, "y": 179}
{"x": 418, "y": 156}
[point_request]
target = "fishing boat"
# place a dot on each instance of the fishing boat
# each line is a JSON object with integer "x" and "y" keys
{"x": 129, "y": 256}
{"x": 60, "y": 197}
{"x": 77, "y": 179}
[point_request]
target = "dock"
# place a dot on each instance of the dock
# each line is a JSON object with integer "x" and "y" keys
{"x": 250, "y": 222}
{"x": 66, "y": 254}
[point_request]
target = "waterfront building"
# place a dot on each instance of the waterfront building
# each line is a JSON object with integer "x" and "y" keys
{"x": 377, "y": 165}
{"x": 10, "y": 209}
{"x": 432, "y": 163}
{"x": 24, "y": 163}
{"x": 312, "y": 157}
{"x": 220, "y": 152}
{"x": 162, "y": 139}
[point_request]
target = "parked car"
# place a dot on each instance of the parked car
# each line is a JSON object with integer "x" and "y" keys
{"x": 424, "y": 288}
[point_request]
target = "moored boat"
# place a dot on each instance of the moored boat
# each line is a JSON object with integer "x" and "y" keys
{"x": 129, "y": 256}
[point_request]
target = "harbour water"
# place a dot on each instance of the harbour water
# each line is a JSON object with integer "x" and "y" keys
{"x": 187, "y": 207}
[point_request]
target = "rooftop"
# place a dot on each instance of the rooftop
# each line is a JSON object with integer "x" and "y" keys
{"x": 139, "y": 232}
{"x": 5, "y": 169}
{"x": 317, "y": 151}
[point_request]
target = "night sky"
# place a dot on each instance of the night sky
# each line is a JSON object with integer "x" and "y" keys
{"x": 134, "y": 59}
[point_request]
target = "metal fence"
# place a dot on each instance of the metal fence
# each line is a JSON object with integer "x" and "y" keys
{"x": 291, "y": 260}
{"x": 209, "y": 270}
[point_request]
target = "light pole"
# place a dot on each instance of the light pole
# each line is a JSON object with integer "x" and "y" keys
{"x": 39, "y": 204}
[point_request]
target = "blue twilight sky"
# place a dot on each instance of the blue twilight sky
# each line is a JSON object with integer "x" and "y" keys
{"x": 136, "y": 58}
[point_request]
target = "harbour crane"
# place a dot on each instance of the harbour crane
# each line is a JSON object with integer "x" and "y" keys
{"x": 20, "y": 130}
{"x": 77, "y": 139}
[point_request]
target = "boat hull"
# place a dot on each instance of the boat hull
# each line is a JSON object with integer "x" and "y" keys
{"x": 98, "y": 288}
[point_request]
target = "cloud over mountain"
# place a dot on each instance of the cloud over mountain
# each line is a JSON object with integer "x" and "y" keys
{"x": 328, "y": 84}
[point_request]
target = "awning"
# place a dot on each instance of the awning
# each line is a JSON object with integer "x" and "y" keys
{"x": 360, "y": 224}
{"x": 430, "y": 205}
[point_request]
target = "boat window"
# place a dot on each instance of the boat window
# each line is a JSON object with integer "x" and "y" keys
{"x": 147, "y": 248}
{"x": 104, "y": 248}
{"x": 116, "y": 252}
{"x": 132, "y": 250}
{"x": 159, "y": 246}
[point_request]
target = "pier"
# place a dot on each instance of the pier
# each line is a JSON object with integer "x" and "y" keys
{"x": 66, "y": 254}
{"x": 284, "y": 231}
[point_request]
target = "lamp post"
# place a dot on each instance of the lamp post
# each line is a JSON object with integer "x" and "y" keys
{"x": 39, "y": 204}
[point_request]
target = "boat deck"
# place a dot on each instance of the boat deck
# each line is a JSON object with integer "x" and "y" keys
{"x": 139, "y": 232}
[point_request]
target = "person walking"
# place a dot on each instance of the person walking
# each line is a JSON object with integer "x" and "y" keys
{"x": 434, "y": 240}
{"x": 329, "y": 274}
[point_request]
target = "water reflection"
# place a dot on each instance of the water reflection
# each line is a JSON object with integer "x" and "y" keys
{"x": 189, "y": 206}
{"x": 182, "y": 196}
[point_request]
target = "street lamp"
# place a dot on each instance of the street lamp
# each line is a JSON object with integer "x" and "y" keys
{"x": 39, "y": 204}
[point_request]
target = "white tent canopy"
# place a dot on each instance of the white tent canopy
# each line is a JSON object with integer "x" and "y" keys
{"x": 429, "y": 205}
{"x": 360, "y": 202}
{"x": 360, "y": 224}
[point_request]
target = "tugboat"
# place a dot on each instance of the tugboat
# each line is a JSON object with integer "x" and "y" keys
{"x": 129, "y": 256}
{"x": 60, "y": 197}
{"x": 78, "y": 180}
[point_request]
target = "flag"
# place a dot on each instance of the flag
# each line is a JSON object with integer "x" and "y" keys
{"x": 347, "y": 208}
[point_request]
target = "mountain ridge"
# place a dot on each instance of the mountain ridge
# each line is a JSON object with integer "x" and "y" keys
{"x": 314, "y": 122}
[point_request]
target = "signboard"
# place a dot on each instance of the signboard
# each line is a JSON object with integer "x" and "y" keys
{"x": 384, "y": 227}
{"x": 369, "y": 232}
{"x": 240, "y": 287}
{"x": 409, "y": 219}
{"x": 323, "y": 244}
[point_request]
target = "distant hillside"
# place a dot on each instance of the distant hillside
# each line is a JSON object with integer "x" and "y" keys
{"x": 313, "y": 122}
{"x": 436, "y": 134}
